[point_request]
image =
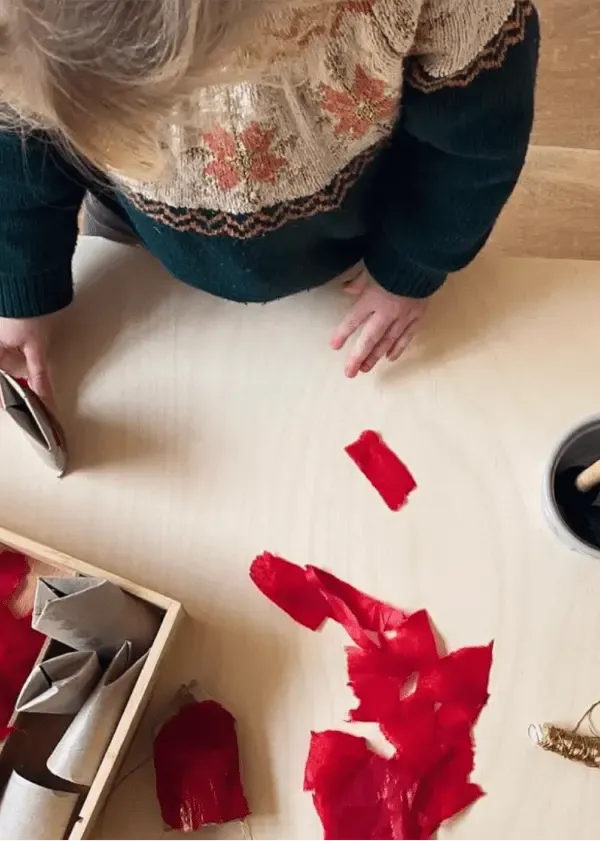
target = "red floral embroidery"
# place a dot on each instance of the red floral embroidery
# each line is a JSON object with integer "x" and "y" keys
{"x": 248, "y": 158}
{"x": 308, "y": 24}
{"x": 303, "y": 28}
{"x": 350, "y": 7}
{"x": 358, "y": 109}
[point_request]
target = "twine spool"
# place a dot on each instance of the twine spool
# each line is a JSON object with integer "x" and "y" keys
{"x": 570, "y": 744}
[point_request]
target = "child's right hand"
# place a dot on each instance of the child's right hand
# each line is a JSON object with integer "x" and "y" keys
{"x": 24, "y": 351}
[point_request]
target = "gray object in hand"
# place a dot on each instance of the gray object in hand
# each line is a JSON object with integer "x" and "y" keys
{"x": 35, "y": 419}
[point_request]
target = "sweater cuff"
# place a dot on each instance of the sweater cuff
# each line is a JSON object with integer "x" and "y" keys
{"x": 37, "y": 294}
{"x": 401, "y": 276}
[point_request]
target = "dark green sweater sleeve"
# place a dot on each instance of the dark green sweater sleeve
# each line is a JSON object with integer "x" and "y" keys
{"x": 455, "y": 158}
{"x": 40, "y": 196}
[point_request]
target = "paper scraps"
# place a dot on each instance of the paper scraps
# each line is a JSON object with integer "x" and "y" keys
{"x": 197, "y": 768}
{"x": 425, "y": 703}
{"x": 382, "y": 467}
{"x": 19, "y": 643}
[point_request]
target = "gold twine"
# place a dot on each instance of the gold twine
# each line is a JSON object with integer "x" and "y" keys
{"x": 570, "y": 744}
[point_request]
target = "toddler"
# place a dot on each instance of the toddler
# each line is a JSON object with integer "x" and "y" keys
{"x": 259, "y": 148}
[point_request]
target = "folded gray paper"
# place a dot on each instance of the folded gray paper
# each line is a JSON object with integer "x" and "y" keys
{"x": 35, "y": 419}
{"x": 61, "y": 684}
{"x": 80, "y": 751}
{"x": 30, "y": 811}
{"x": 92, "y": 614}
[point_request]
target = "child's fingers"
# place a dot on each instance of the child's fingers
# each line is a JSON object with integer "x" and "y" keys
{"x": 381, "y": 349}
{"x": 37, "y": 371}
{"x": 403, "y": 342}
{"x": 13, "y": 362}
{"x": 371, "y": 333}
{"x": 357, "y": 315}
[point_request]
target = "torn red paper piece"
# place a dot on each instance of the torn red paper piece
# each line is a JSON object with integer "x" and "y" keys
{"x": 357, "y": 793}
{"x": 197, "y": 768}
{"x": 379, "y": 677}
{"x": 364, "y": 618}
{"x": 13, "y": 572}
{"x": 445, "y": 791}
{"x": 461, "y": 678}
{"x": 288, "y": 586}
{"x": 312, "y": 595}
{"x": 382, "y": 467}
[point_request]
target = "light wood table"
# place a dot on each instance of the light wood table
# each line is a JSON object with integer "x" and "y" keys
{"x": 203, "y": 432}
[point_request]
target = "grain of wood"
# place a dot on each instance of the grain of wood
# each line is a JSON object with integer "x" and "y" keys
{"x": 568, "y": 104}
{"x": 555, "y": 210}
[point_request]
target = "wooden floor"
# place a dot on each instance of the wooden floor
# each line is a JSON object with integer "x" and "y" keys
{"x": 555, "y": 210}
{"x": 568, "y": 103}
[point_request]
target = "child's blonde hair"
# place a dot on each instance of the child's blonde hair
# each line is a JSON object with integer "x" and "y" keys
{"x": 104, "y": 75}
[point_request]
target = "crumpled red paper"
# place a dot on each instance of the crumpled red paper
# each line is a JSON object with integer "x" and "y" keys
{"x": 197, "y": 768}
{"x": 20, "y": 644}
{"x": 382, "y": 467}
{"x": 424, "y": 702}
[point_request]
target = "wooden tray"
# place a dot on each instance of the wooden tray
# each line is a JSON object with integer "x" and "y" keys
{"x": 47, "y": 731}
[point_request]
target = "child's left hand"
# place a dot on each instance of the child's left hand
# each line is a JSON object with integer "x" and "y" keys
{"x": 389, "y": 323}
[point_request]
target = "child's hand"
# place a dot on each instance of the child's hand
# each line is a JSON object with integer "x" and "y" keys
{"x": 389, "y": 323}
{"x": 23, "y": 351}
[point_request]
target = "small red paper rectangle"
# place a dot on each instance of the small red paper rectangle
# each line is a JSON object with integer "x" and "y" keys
{"x": 382, "y": 467}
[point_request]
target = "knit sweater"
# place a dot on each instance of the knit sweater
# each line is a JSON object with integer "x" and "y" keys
{"x": 398, "y": 143}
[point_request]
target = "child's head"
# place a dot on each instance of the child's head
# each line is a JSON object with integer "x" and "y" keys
{"x": 103, "y": 75}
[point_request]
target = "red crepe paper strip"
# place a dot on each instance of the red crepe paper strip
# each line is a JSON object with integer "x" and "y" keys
{"x": 288, "y": 586}
{"x": 364, "y": 618}
{"x": 310, "y": 596}
{"x": 197, "y": 768}
{"x": 382, "y": 467}
{"x": 425, "y": 704}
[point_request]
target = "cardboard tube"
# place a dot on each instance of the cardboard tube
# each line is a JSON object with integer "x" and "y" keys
{"x": 29, "y": 811}
{"x": 80, "y": 751}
